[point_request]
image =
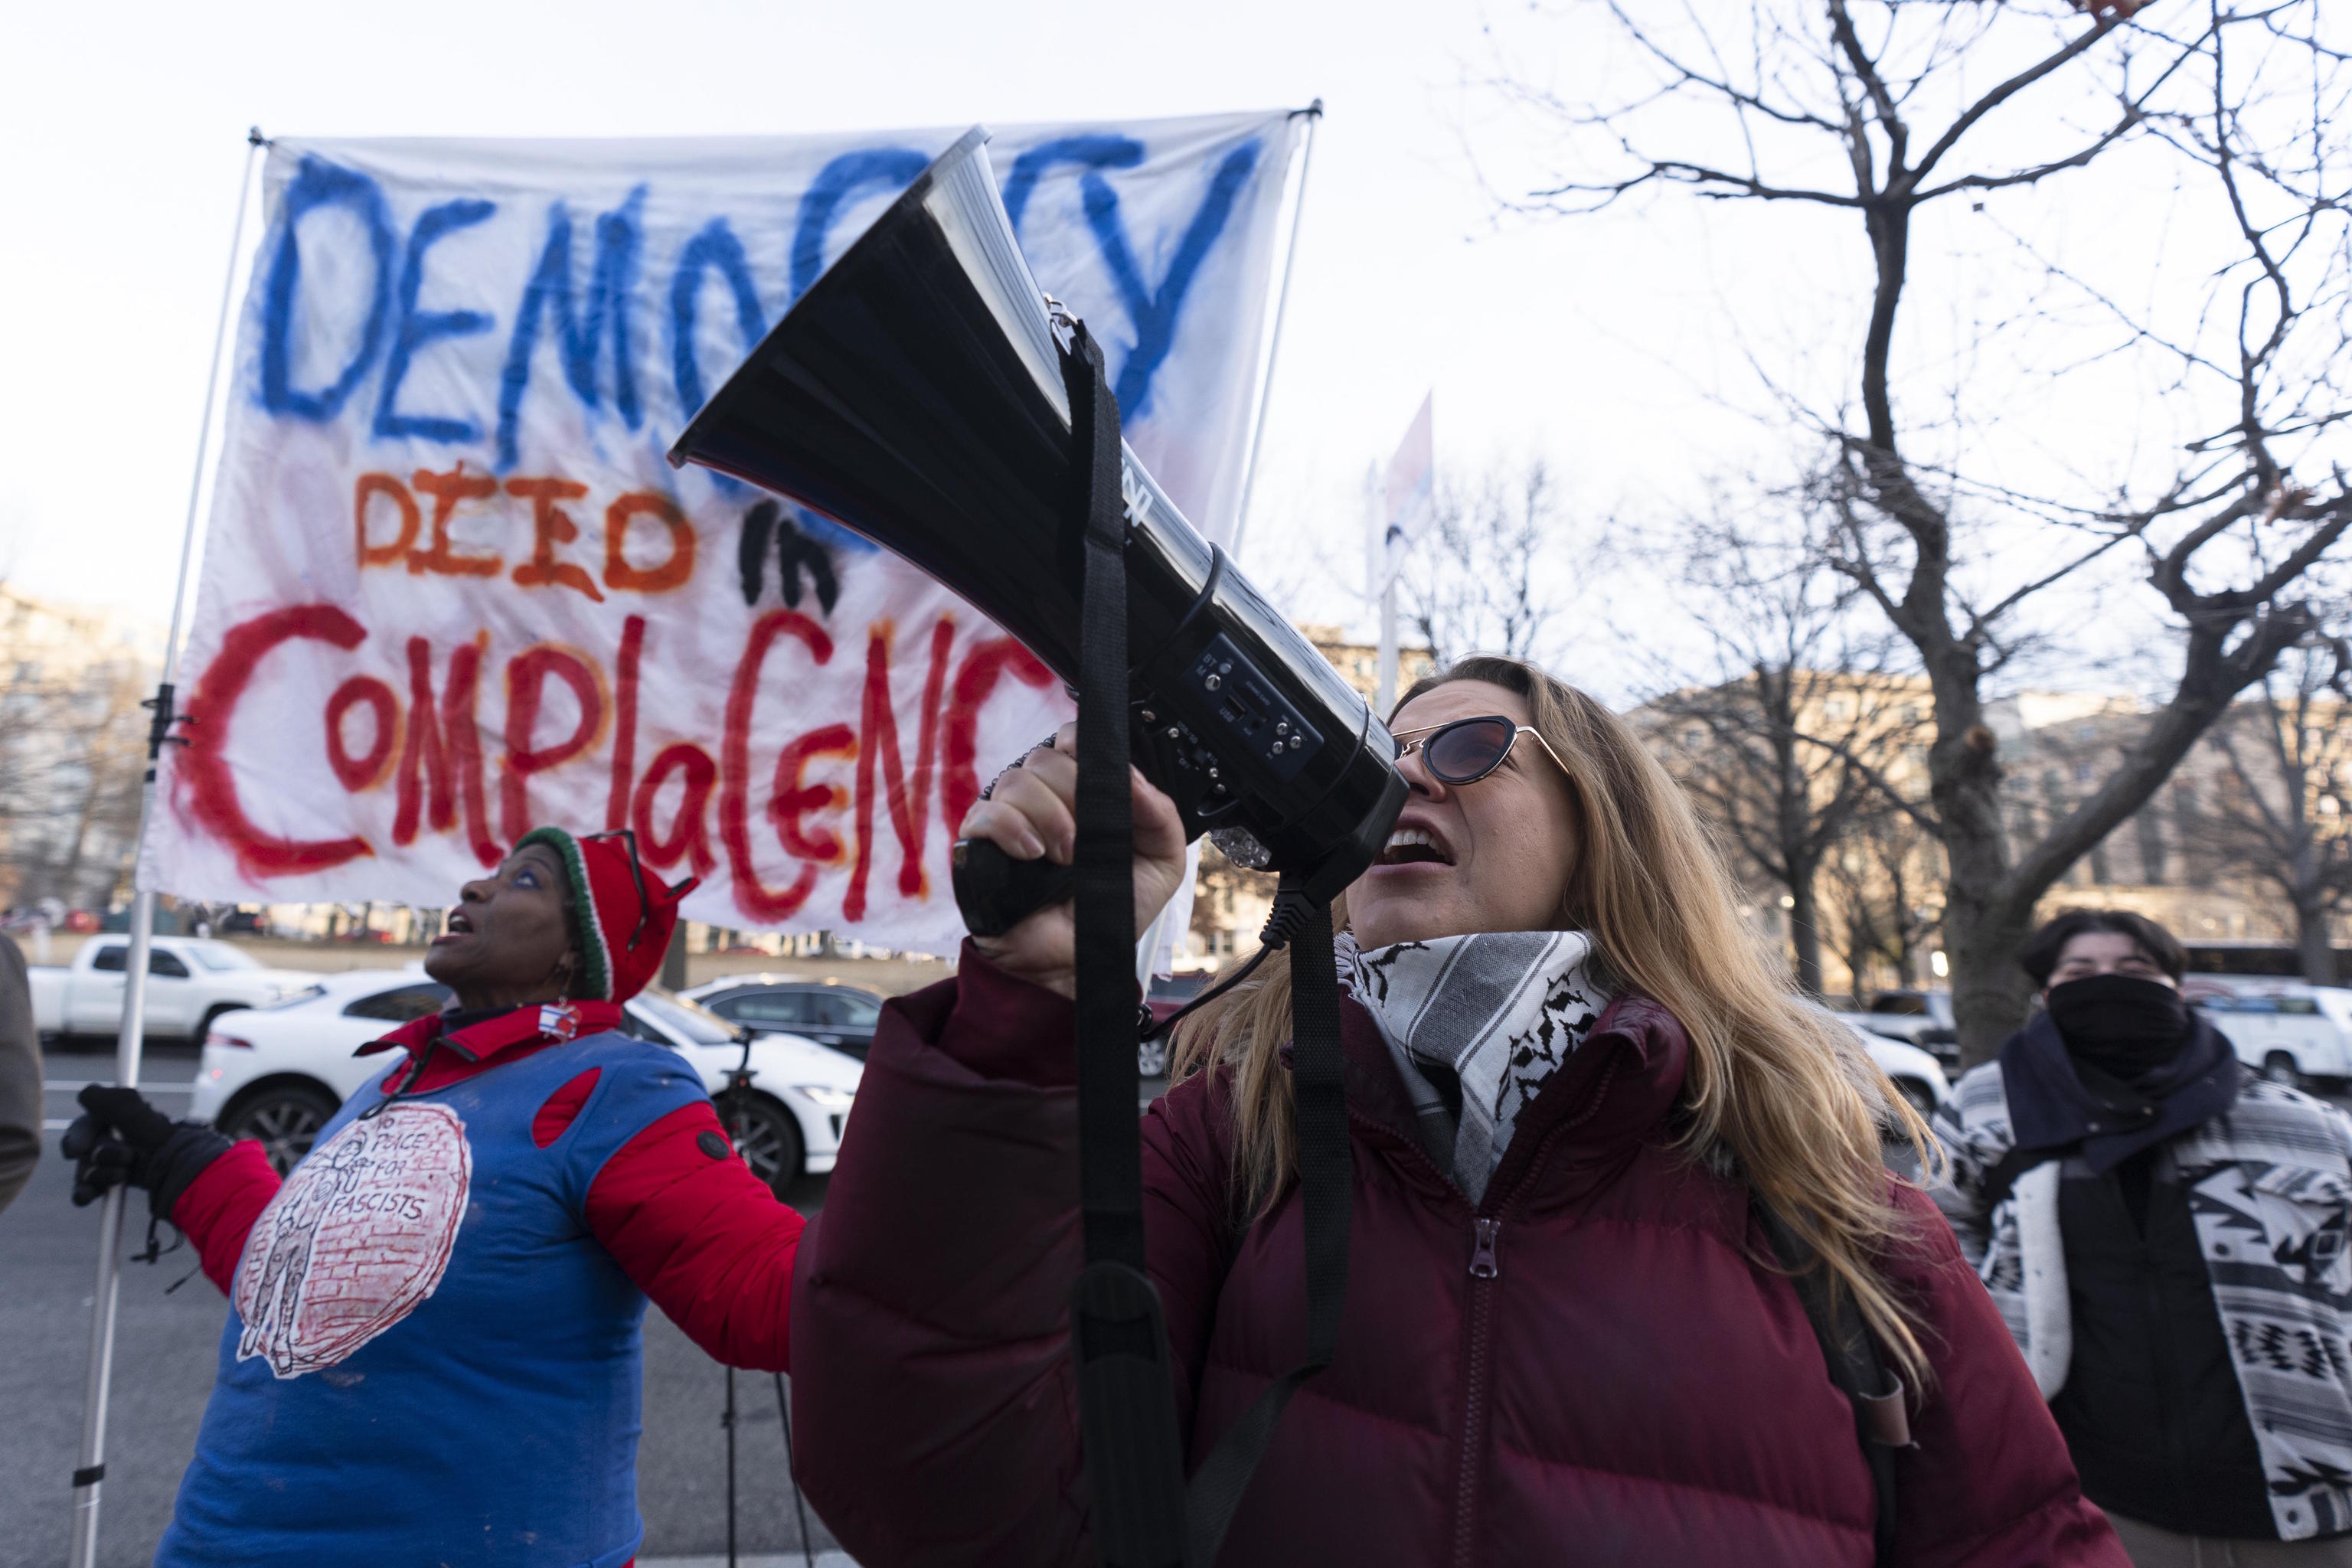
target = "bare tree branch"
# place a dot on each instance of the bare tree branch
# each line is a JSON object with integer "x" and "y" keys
{"x": 2245, "y": 113}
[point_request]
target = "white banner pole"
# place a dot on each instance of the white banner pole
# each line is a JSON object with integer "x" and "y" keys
{"x": 89, "y": 1470}
{"x": 1314, "y": 112}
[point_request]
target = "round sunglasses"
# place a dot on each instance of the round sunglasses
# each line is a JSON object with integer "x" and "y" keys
{"x": 1467, "y": 750}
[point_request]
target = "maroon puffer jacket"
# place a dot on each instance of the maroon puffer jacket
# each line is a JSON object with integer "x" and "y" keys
{"x": 1630, "y": 1386}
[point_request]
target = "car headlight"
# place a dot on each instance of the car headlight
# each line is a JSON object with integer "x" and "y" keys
{"x": 825, "y": 1095}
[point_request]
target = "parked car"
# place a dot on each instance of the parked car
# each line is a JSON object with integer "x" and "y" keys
{"x": 278, "y": 1073}
{"x": 2295, "y": 1034}
{"x": 1921, "y": 1018}
{"x": 190, "y": 981}
{"x": 826, "y": 1011}
{"x": 1169, "y": 993}
{"x": 1918, "y": 1078}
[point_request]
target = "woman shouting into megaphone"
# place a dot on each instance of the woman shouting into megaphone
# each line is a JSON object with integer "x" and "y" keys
{"x": 1585, "y": 1118}
{"x": 433, "y": 1351}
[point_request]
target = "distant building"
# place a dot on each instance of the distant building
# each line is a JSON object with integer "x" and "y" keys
{"x": 1881, "y": 890}
{"x": 2175, "y": 860}
{"x": 1359, "y": 663}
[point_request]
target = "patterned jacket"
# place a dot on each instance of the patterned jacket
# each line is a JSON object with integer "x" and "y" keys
{"x": 2270, "y": 1187}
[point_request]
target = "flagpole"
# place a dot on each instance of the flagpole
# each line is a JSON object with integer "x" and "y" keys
{"x": 89, "y": 1470}
{"x": 1379, "y": 577}
{"x": 1388, "y": 647}
{"x": 1314, "y": 113}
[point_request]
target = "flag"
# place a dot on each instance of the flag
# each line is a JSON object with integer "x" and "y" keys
{"x": 1407, "y": 493}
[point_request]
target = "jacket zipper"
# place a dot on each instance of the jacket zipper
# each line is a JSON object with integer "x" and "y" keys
{"x": 1486, "y": 1269}
{"x": 1482, "y": 1253}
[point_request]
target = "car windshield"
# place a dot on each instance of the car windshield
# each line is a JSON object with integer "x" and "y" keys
{"x": 218, "y": 956}
{"x": 688, "y": 1020}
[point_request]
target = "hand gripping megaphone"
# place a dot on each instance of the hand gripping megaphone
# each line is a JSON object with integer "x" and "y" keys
{"x": 926, "y": 393}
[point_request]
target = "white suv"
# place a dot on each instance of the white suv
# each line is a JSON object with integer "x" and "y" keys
{"x": 278, "y": 1073}
{"x": 2295, "y": 1034}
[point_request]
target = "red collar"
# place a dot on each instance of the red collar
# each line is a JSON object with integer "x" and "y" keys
{"x": 532, "y": 1024}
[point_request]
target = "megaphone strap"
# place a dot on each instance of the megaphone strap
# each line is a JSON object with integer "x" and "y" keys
{"x": 1326, "y": 1175}
{"x": 1141, "y": 1515}
{"x": 1119, "y": 1337}
{"x": 1110, "y": 1162}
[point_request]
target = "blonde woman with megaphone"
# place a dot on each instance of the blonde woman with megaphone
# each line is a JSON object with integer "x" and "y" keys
{"x": 1582, "y": 1108}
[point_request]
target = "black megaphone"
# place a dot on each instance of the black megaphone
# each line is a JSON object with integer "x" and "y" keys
{"x": 916, "y": 393}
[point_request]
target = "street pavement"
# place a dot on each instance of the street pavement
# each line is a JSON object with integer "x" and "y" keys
{"x": 166, "y": 1345}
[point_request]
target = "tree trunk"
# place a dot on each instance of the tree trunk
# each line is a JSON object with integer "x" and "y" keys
{"x": 1805, "y": 933}
{"x": 1981, "y": 931}
{"x": 2310, "y": 938}
{"x": 1991, "y": 995}
{"x": 70, "y": 873}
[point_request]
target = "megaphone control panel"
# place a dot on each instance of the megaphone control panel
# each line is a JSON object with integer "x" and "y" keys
{"x": 1254, "y": 716}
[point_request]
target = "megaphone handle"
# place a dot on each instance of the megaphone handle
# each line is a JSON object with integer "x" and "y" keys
{"x": 997, "y": 892}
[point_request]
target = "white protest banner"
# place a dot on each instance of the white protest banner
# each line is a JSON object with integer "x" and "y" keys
{"x": 452, "y": 590}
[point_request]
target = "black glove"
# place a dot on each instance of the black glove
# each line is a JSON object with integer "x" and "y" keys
{"x": 119, "y": 1138}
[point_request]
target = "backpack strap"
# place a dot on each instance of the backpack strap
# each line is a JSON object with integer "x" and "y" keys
{"x": 1880, "y": 1424}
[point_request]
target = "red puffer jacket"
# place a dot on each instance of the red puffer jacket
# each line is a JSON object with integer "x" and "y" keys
{"x": 1628, "y": 1386}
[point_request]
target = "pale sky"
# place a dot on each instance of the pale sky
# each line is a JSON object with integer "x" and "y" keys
{"x": 1601, "y": 344}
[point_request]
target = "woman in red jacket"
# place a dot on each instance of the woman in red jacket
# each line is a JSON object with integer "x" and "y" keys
{"x": 433, "y": 1350}
{"x": 1573, "y": 1085}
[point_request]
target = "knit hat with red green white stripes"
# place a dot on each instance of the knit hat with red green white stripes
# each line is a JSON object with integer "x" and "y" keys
{"x": 622, "y": 916}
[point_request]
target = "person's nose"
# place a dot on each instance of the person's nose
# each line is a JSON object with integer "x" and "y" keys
{"x": 476, "y": 892}
{"x": 1418, "y": 777}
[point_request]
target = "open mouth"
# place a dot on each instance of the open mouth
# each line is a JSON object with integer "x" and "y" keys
{"x": 1414, "y": 847}
{"x": 456, "y": 925}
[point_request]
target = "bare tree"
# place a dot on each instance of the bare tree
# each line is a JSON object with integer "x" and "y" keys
{"x": 1870, "y": 113}
{"x": 2282, "y": 818}
{"x": 1783, "y": 744}
{"x": 102, "y": 790}
{"x": 1883, "y": 889}
{"x": 1472, "y": 583}
{"x": 72, "y": 752}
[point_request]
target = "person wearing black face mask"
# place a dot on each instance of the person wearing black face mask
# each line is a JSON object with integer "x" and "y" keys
{"x": 2165, "y": 1235}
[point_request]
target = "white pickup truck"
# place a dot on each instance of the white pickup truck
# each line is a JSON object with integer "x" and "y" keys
{"x": 190, "y": 980}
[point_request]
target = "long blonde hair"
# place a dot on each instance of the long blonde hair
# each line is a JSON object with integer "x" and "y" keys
{"x": 1771, "y": 1080}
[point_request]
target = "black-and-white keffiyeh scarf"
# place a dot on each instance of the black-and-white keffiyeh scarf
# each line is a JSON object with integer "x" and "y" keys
{"x": 1498, "y": 1010}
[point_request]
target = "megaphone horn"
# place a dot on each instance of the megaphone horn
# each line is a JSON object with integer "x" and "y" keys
{"x": 915, "y": 394}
